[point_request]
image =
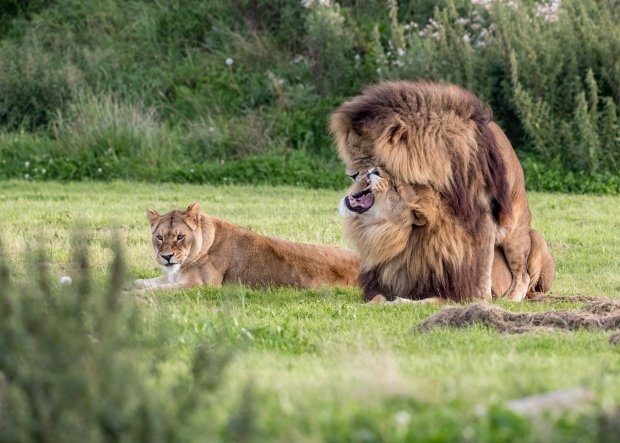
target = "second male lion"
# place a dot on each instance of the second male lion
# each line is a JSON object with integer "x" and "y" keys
{"x": 413, "y": 247}
{"x": 439, "y": 135}
{"x": 198, "y": 249}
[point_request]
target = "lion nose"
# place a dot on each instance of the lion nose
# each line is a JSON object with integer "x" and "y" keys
{"x": 167, "y": 257}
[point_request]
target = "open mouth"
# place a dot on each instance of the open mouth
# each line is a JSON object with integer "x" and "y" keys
{"x": 361, "y": 201}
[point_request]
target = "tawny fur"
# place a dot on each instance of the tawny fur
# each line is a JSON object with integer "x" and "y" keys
{"x": 413, "y": 247}
{"x": 211, "y": 251}
{"x": 442, "y": 136}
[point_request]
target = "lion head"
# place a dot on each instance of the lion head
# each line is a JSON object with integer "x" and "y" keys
{"x": 176, "y": 236}
{"x": 429, "y": 134}
{"x": 409, "y": 241}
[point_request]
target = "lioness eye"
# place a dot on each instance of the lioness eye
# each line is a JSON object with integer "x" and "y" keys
{"x": 180, "y": 237}
{"x": 159, "y": 237}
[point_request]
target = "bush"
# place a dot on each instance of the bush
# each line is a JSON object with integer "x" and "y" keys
{"x": 78, "y": 364}
{"x": 206, "y": 82}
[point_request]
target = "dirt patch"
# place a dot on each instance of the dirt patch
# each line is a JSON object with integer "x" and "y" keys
{"x": 543, "y": 298}
{"x": 599, "y": 314}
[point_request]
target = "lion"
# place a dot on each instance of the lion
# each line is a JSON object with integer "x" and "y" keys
{"x": 412, "y": 246}
{"x": 439, "y": 135}
{"x": 197, "y": 249}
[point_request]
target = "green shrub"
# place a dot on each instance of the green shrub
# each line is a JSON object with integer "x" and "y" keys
{"x": 33, "y": 85}
{"x": 80, "y": 363}
{"x": 209, "y": 81}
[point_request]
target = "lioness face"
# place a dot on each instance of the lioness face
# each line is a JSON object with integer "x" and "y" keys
{"x": 173, "y": 235}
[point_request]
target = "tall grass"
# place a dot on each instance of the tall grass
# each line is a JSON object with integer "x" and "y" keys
{"x": 227, "y": 81}
{"x": 86, "y": 362}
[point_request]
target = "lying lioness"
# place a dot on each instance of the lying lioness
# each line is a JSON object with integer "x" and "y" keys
{"x": 197, "y": 249}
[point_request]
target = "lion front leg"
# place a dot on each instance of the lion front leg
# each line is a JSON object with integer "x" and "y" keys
{"x": 374, "y": 290}
{"x": 151, "y": 283}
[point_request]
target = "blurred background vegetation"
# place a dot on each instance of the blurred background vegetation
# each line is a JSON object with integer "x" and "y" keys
{"x": 239, "y": 91}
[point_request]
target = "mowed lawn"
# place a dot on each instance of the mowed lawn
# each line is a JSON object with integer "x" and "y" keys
{"x": 325, "y": 366}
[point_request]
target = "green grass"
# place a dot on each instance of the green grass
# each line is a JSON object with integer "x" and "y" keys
{"x": 324, "y": 366}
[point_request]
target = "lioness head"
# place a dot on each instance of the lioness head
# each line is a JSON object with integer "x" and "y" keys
{"x": 175, "y": 235}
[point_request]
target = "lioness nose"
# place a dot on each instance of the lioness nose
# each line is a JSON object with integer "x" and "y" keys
{"x": 167, "y": 257}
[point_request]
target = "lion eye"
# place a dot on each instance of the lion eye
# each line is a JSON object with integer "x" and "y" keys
{"x": 353, "y": 176}
{"x": 180, "y": 237}
{"x": 159, "y": 237}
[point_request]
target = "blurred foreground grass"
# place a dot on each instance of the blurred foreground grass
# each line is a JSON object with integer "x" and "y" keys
{"x": 319, "y": 365}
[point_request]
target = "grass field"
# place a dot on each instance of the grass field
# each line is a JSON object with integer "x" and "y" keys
{"x": 324, "y": 367}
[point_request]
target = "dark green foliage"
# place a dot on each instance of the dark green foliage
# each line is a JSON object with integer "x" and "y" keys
{"x": 81, "y": 363}
{"x": 143, "y": 89}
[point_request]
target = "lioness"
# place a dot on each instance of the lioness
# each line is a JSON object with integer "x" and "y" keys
{"x": 197, "y": 249}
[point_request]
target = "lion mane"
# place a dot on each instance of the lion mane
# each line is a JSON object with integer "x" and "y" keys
{"x": 440, "y": 137}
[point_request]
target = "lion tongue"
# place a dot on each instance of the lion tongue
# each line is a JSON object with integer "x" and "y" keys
{"x": 361, "y": 203}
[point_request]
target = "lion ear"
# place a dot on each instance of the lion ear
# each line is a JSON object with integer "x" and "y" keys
{"x": 418, "y": 219}
{"x": 153, "y": 216}
{"x": 192, "y": 215}
{"x": 397, "y": 132}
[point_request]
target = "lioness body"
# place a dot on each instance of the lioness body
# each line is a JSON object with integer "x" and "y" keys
{"x": 212, "y": 251}
{"x": 442, "y": 136}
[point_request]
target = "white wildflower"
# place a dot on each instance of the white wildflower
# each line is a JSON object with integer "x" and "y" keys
{"x": 26, "y": 176}
{"x": 65, "y": 280}
{"x": 402, "y": 418}
{"x": 27, "y": 164}
{"x": 229, "y": 61}
{"x": 311, "y": 3}
{"x": 400, "y": 52}
{"x": 43, "y": 170}
{"x": 99, "y": 170}
{"x": 549, "y": 11}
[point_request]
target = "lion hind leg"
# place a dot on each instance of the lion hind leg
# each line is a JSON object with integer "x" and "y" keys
{"x": 517, "y": 250}
{"x": 483, "y": 289}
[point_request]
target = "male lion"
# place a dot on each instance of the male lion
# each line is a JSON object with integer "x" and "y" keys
{"x": 197, "y": 249}
{"x": 441, "y": 136}
{"x": 413, "y": 247}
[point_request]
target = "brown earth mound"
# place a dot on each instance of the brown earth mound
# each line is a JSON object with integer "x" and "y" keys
{"x": 600, "y": 313}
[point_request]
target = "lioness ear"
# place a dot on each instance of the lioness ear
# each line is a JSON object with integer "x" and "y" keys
{"x": 192, "y": 215}
{"x": 153, "y": 216}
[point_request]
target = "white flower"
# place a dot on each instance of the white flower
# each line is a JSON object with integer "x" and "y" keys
{"x": 402, "y": 418}
{"x": 297, "y": 59}
{"x": 43, "y": 170}
{"x": 27, "y": 164}
{"x": 26, "y": 176}
{"x": 466, "y": 38}
{"x": 400, "y": 52}
{"x": 229, "y": 61}
{"x": 549, "y": 11}
{"x": 65, "y": 280}
{"x": 99, "y": 170}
